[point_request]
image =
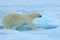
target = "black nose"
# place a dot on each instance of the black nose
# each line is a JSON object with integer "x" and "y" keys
{"x": 40, "y": 16}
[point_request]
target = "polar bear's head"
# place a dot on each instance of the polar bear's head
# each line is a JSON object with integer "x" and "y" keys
{"x": 35, "y": 15}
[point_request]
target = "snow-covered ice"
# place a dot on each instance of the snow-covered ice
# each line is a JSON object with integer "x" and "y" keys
{"x": 29, "y": 35}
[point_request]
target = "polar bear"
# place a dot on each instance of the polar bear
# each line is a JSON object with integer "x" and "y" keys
{"x": 16, "y": 21}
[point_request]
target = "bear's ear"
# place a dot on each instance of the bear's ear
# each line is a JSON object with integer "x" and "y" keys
{"x": 34, "y": 13}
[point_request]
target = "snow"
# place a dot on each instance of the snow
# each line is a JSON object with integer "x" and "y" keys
{"x": 29, "y": 35}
